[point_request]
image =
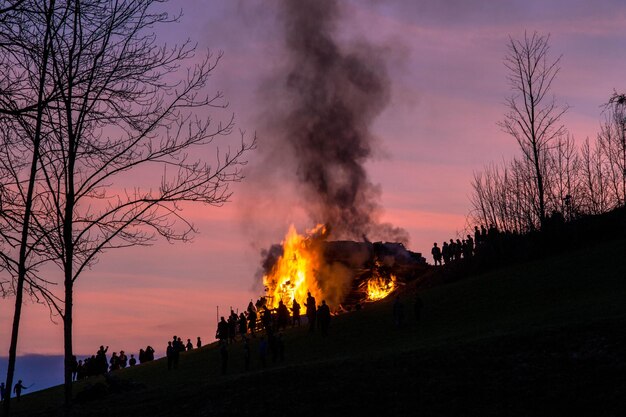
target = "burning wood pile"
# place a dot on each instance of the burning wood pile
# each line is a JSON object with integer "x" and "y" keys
{"x": 343, "y": 273}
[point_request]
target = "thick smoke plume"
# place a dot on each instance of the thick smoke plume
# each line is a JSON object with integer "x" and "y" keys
{"x": 334, "y": 92}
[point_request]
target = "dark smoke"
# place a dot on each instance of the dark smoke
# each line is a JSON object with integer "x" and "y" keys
{"x": 334, "y": 93}
{"x": 318, "y": 109}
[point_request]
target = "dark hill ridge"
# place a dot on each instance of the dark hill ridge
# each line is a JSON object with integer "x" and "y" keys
{"x": 540, "y": 338}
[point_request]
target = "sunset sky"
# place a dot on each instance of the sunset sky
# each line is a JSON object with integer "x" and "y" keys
{"x": 448, "y": 91}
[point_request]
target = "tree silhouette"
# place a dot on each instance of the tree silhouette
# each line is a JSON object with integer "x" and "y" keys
{"x": 534, "y": 118}
{"x": 120, "y": 107}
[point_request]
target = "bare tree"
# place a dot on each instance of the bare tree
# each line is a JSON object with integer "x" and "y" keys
{"x": 563, "y": 178}
{"x": 10, "y": 6}
{"x": 121, "y": 106}
{"x": 534, "y": 117}
{"x": 596, "y": 199}
{"x": 612, "y": 141}
{"x": 24, "y": 57}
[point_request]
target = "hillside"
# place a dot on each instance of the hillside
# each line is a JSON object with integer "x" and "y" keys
{"x": 541, "y": 338}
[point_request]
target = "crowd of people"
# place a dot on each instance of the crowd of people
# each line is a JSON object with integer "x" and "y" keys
{"x": 260, "y": 317}
{"x": 99, "y": 364}
{"x": 462, "y": 248}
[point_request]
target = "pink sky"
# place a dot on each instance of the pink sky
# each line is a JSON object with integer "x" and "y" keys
{"x": 448, "y": 90}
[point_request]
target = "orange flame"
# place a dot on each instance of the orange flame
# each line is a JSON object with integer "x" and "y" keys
{"x": 379, "y": 287}
{"x": 294, "y": 274}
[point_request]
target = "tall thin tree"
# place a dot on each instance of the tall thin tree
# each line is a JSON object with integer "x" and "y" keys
{"x": 534, "y": 117}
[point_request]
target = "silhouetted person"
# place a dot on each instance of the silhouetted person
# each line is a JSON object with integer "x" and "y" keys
{"x": 266, "y": 319}
{"x": 224, "y": 357}
{"x": 233, "y": 319}
{"x": 178, "y": 346}
{"x": 123, "y": 359}
{"x": 149, "y": 354}
{"x": 452, "y": 250}
{"x": 199, "y": 343}
{"x": 458, "y": 249}
{"x": 222, "y": 330}
{"x": 282, "y": 315}
{"x": 115, "y": 362}
{"x": 323, "y": 316}
{"x": 243, "y": 325}
{"x": 74, "y": 368}
{"x": 132, "y": 361}
{"x": 436, "y": 252}
{"x": 142, "y": 356}
{"x": 445, "y": 253}
{"x": 17, "y": 389}
{"x": 311, "y": 311}
{"x": 189, "y": 345}
{"x": 101, "y": 360}
{"x": 252, "y": 317}
{"x": 295, "y": 308}
{"x": 398, "y": 312}
{"x": 2, "y": 391}
{"x": 477, "y": 237}
{"x": 169, "y": 354}
{"x": 470, "y": 246}
{"x": 483, "y": 233}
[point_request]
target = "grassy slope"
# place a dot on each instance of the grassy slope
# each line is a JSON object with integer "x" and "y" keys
{"x": 542, "y": 338}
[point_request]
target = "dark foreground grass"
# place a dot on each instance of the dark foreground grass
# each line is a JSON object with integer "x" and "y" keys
{"x": 546, "y": 338}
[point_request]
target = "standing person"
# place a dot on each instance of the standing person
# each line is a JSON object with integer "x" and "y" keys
{"x": 17, "y": 389}
{"x": 243, "y": 325}
{"x": 177, "y": 347}
{"x": 149, "y": 354}
{"x": 123, "y": 359}
{"x": 436, "y": 252}
{"x": 222, "y": 330}
{"x": 115, "y": 362}
{"x": 323, "y": 316}
{"x": 311, "y": 311}
{"x": 282, "y": 315}
{"x": 169, "y": 353}
{"x": 199, "y": 343}
{"x": 132, "y": 361}
{"x": 101, "y": 360}
{"x": 252, "y": 316}
{"x": 445, "y": 253}
{"x": 295, "y": 308}
{"x": 470, "y": 246}
{"x": 189, "y": 345}
{"x": 74, "y": 368}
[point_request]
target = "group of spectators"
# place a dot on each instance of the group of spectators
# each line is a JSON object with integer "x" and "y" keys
{"x": 462, "y": 249}
{"x": 99, "y": 364}
{"x": 260, "y": 316}
{"x": 176, "y": 347}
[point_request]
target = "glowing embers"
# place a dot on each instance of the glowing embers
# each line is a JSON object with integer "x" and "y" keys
{"x": 294, "y": 272}
{"x": 379, "y": 287}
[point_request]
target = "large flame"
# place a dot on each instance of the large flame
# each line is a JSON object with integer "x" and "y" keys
{"x": 294, "y": 274}
{"x": 380, "y": 287}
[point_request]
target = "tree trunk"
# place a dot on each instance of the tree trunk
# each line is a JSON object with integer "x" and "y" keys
{"x": 21, "y": 275}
